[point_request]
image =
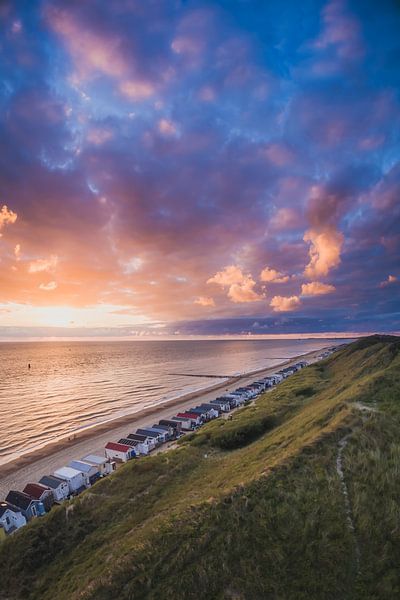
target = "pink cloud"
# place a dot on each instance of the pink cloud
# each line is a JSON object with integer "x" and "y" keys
{"x": 43, "y": 264}
{"x": 228, "y": 276}
{"x": 324, "y": 251}
{"x": 285, "y": 303}
{"x": 48, "y": 287}
{"x": 390, "y": 279}
{"x": 316, "y": 288}
{"x": 205, "y": 301}
{"x": 7, "y": 217}
{"x": 241, "y": 286}
{"x": 285, "y": 218}
{"x": 207, "y": 94}
{"x": 341, "y": 33}
{"x": 99, "y": 135}
{"x": 136, "y": 90}
{"x": 371, "y": 142}
{"x": 99, "y": 52}
{"x": 278, "y": 154}
{"x": 273, "y": 276}
{"x": 167, "y": 127}
{"x": 92, "y": 53}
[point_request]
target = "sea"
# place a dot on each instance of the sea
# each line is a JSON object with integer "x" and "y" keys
{"x": 73, "y": 385}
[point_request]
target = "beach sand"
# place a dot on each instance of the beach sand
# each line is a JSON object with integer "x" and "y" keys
{"x": 31, "y": 467}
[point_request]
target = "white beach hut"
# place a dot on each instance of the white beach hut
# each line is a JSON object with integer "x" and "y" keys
{"x": 104, "y": 465}
{"x": 75, "y": 479}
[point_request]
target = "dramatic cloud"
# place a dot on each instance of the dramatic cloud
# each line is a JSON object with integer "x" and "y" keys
{"x": 273, "y": 276}
{"x": 285, "y": 303}
{"x": 240, "y": 286}
{"x": 228, "y": 276}
{"x": 325, "y": 247}
{"x": 147, "y": 144}
{"x": 316, "y": 288}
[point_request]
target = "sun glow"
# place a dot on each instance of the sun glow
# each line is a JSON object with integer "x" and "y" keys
{"x": 21, "y": 315}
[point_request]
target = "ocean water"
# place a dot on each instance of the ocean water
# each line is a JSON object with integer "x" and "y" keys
{"x": 74, "y": 385}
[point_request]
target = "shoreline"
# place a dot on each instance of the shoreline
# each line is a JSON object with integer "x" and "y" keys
{"x": 64, "y": 450}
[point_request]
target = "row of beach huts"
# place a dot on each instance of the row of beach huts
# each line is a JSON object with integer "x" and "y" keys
{"x": 36, "y": 499}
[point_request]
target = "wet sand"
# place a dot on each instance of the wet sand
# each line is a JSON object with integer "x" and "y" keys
{"x": 31, "y": 467}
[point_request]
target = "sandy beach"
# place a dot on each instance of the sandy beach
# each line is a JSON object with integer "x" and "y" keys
{"x": 31, "y": 467}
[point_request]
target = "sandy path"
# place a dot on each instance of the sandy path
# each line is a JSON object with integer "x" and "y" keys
{"x": 32, "y": 467}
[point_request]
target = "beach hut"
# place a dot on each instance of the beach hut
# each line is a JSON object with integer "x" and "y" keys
{"x": 194, "y": 417}
{"x": 230, "y": 399}
{"x": 212, "y": 411}
{"x": 163, "y": 432}
{"x": 104, "y": 465}
{"x": 144, "y": 439}
{"x": 59, "y": 487}
{"x": 168, "y": 428}
{"x": 28, "y": 506}
{"x": 76, "y": 479}
{"x": 224, "y": 404}
{"x": 40, "y": 492}
{"x": 176, "y": 425}
{"x": 137, "y": 448}
{"x": 201, "y": 411}
{"x": 118, "y": 452}
{"x": 10, "y": 517}
{"x": 157, "y": 437}
{"x": 238, "y": 397}
{"x": 187, "y": 424}
{"x": 91, "y": 472}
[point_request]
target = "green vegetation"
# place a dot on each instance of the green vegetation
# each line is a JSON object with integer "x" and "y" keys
{"x": 247, "y": 508}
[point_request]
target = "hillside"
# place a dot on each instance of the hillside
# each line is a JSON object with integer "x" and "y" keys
{"x": 247, "y": 508}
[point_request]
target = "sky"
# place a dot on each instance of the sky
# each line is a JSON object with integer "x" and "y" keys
{"x": 195, "y": 167}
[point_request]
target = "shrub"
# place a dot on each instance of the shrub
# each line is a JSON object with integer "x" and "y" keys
{"x": 240, "y": 435}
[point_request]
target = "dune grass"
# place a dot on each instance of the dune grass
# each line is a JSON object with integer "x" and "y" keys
{"x": 246, "y": 508}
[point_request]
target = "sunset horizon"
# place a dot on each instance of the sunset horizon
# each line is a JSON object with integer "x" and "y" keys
{"x": 199, "y": 299}
{"x": 191, "y": 163}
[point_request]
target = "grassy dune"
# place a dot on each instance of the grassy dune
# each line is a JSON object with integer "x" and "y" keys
{"x": 247, "y": 508}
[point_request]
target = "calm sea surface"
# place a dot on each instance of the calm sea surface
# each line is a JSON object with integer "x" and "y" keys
{"x": 74, "y": 385}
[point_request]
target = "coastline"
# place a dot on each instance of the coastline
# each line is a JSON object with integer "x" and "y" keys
{"x": 16, "y": 473}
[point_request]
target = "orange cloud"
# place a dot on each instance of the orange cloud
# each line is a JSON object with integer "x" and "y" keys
{"x": 325, "y": 247}
{"x": 48, "y": 287}
{"x": 285, "y": 303}
{"x": 244, "y": 292}
{"x": 227, "y": 276}
{"x": 205, "y": 301}
{"x": 273, "y": 276}
{"x": 7, "y": 217}
{"x": 388, "y": 281}
{"x": 241, "y": 286}
{"x": 17, "y": 252}
{"x": 316, "y": 288}
{"x": 43, "y": 264}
